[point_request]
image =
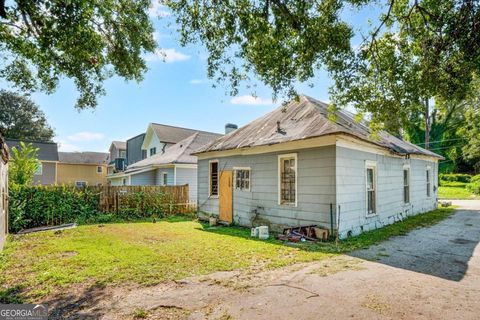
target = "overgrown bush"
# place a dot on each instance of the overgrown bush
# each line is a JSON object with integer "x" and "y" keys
{"x": 474, "y": 185}
{"x": 455, "y": 177}
{"x": 35, "y": 206}
{"x": 46, "y": 206}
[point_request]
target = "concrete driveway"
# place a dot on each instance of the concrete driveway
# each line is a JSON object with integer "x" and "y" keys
{"x": 431, "y": 273}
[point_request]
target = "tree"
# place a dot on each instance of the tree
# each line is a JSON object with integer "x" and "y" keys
{"x": 21, "y": 118}
{"x": 416, "y": 51}
{"x": 85, "y": 40}
{"x": 23, "y": 165}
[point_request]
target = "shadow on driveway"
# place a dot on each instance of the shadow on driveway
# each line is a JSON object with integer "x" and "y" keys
{"x": 443, "y": 250}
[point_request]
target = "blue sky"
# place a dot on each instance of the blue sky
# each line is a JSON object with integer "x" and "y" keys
{"x": 174, "y": 92}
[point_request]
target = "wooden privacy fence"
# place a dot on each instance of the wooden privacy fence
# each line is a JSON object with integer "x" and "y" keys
{"x": 172, "y": 199}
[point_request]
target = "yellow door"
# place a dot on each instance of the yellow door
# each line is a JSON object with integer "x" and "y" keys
{"x": 226, "y": 196}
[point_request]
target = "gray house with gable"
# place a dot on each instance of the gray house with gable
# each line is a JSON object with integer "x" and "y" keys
{"x": 296, "y": 167}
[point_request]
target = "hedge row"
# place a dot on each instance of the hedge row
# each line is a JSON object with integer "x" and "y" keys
{"x": 36, "y": 206}
{"x": 455, "y": 177}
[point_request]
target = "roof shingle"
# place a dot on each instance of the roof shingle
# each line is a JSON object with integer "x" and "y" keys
{"x": 83, "y": 157}
{"x": 47, "y": 151}
{"x": 304, "y": 119}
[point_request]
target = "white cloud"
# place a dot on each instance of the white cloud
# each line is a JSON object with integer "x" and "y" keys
{"x": 158, "y": 10}
{"x": 167, "y": 55}
{"x": 196, "y": 81}
{"x": 250, "y": 100}
{"x": 86, "y": 136}
{"x": 67, "y": 147}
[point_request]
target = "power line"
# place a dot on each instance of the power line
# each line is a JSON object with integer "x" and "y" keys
{"x": 418, "y": 144}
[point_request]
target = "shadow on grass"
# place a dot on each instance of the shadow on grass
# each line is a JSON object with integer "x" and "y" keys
{"x": 78, "y": 305}
{"x": 363, "y": 241}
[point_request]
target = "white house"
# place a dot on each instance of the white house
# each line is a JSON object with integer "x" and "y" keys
{"x": 169, "y": 160}
{"x": 296, "y": 167}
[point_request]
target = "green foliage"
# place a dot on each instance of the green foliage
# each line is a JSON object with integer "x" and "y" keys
{"x": 474, "y": 185}
{"x": 455, "y": 177}
{"x": 47, "y": 206}
{"x": 87, "y": 41}
{"x": 54, "y": 205}
{"x": 21, "y": 118}
{"x": 23, "y": 165}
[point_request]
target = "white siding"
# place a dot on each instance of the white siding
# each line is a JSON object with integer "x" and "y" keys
{"x": 146, "y": 178}
{"x": 188, "y": 176}
{"x": 351, "y": 189}
{"x": 170, "y": 176}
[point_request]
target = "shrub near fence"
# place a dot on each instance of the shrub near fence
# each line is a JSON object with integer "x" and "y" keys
{"x": 54, "y": 205}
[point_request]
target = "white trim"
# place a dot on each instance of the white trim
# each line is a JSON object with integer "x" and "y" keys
{"x": 39, "y": 171}
{"x": 101, "y": 171}
{"x": 280, "y": 157}
{"x": 210, "y": 178}
{"x": 174, "y": 175}
{"x": 369, "y": 164}
{"x": 164, "y": 174}
{"x": 428, "y": 183}
{"x": 407, "y": 167}
{"x": 249, "y": 178}
{"x": 81, "y": 181}
{"x": 338, "y": 139}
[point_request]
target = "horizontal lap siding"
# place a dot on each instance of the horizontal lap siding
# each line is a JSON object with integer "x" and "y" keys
{"x": 351, "y": 189}
{"x": 146, "y": 178}
{"x": 316, "y": 189}
{"x": 188, "y": 176}
{"x": 159, "y": 178}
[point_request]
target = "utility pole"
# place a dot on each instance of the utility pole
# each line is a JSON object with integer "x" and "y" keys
{"x": 427, "y": 124}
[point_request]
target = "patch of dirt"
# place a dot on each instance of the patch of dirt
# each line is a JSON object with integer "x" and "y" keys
{"x": 376, "y": 304}
{"x": 338, "y": 264}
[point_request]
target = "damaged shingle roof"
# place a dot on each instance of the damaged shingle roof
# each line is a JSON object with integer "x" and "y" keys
{"x": 83, "y": 157}
{"x": 178, "y": 153}
{"x": 304, "y": 119}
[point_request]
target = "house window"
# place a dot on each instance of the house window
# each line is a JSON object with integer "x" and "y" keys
{"x": 406, "y": 185}
{"x": 429, "y": 181}
{"x": 214, "y": 178}
{"x": 124, "y": 181}
{"x": 242, "y": 179}
{"x": 39, "y": 171}
{"x": 144, "y": 154}
{"x": 165, "y": 178}
{"x": 123, "y": 154}
{"x": 80, "y": 184}
{"x": 99, "y": 169}
{"x": 371, "y": 177}
{"x": 153, "y": 151}
{"x": 287, "y": 179}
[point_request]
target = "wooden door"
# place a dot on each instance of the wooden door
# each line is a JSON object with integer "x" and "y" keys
{"x": 226, "y": 196}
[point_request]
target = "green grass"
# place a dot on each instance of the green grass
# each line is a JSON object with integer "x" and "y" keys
{"x": 50, "y": 262}
{"x": 456, "y": 192}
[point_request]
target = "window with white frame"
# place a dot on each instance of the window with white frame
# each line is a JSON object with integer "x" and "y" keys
{"x": 122, "y": 154}
{"x": 153, "y": 151}
{"x": 428, "y": 177}
{"x": 99, "y": 169}
{"x": 406, "y": 184}
{"x": 80, "y": 184}
{"x": 287, "y": 179}
{"x": 39, "y": 170}
{"x": 371, "y": 177}
{"x": 213, "y": 179}
{"x": 164, "y": 178}
{"x": 242, "y": 179}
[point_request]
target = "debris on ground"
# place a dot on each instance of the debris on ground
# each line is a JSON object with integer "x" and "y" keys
{"x": 302, "y": 234}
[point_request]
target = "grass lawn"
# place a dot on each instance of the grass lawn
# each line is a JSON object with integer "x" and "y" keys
{"x": 36, "y": 265}
{"x": 456, "y": 192}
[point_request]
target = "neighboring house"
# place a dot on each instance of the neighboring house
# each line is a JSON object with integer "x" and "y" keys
{"x": 48, "y": 157}
{"x": 117, "y": 157}
{"x": 159, "y": 137}
{"x": 4, "y": 155}
{"x": 295, "y": 167}
{"x": 135, "y": 152}
{"x": 82, "y": 168}
{"x": 176, "y": 166}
